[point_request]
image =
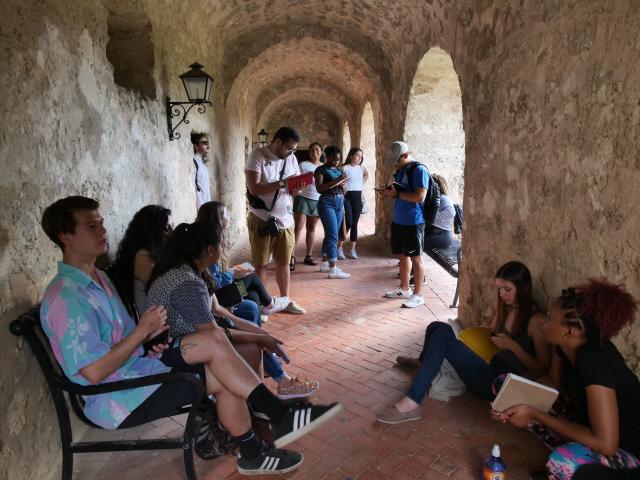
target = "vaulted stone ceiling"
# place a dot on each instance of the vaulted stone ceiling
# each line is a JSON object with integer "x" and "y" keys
{"x": 336, "y": 54}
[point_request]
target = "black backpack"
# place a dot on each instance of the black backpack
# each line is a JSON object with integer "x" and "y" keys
{"x": 431, "y": 203}
{"x": 458, "y": 219}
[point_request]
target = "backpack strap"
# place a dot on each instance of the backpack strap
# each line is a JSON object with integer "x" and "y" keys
{"x": 196, "y": 176}
{"x": 410, "y": 169}
{"x": 275, "y": 195}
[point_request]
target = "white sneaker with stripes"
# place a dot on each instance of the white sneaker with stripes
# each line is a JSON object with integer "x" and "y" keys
{"x": 301, "y": 420}
{"x": 270, "y": 461}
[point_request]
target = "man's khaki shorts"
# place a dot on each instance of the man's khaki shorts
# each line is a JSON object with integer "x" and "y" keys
{"x": 261, "y": 247}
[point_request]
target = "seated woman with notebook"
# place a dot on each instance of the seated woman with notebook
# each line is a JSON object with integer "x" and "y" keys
{"x": 602, "y": 428}
{"x": 216, "y": 213}
{"x": 517, "y": 329}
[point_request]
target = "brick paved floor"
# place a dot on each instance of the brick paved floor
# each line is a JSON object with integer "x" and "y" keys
{"x": 348, "y": 341}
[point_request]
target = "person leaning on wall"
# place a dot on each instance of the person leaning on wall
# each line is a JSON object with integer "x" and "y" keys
{"x": 202, "y": 181}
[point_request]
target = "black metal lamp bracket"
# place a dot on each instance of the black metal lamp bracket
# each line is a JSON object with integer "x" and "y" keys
{"x": 179, "y": 109}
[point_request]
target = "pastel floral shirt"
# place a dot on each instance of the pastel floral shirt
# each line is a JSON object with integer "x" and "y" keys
{"x": 83, "y": 320}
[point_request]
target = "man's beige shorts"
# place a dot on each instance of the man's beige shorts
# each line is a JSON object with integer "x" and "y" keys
{"x": 261, "y": 247}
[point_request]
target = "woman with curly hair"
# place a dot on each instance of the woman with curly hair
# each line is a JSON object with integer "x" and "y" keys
{"x": 601, "y": 431}
{"x": 137, "y": 254}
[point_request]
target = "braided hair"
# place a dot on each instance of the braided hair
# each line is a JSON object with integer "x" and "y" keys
{"x": 600, "y": 308}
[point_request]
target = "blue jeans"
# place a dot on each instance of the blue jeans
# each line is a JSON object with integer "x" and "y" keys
{"x": 440, "y": 343}
{"x": 248, "y": 310}
{"x": 330, "y": 210}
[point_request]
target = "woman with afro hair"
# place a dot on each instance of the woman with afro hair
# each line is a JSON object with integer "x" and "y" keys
{"x": 600, "y": 435}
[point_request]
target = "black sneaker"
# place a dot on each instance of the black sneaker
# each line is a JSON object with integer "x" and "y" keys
{"x": 300, "y": 420}
{"x": 270, "y": 461}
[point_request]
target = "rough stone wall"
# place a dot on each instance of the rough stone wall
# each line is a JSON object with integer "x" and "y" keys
{"x": 551, "y": 95}
{"x": 433, "y": 125}
{"x": 66, "y": 129}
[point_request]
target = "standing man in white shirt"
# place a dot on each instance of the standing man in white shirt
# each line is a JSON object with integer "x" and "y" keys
{"x": 270, "y": 222}
{"x": 200, "y": 141}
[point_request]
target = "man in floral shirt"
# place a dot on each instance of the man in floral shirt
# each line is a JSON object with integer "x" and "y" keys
{"x": 95, "y": 340}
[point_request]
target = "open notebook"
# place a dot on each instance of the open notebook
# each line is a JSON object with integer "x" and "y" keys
{"x": 518, "y": 390}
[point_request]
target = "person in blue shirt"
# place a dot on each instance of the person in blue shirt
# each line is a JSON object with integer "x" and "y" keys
{"x": 407, "y": 227}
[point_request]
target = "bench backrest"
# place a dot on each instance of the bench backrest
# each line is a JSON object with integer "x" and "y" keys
{"x": 28, "y": 326}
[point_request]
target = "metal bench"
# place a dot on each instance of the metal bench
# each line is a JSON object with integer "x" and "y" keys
{"x": 28, "y": 327}
{"x": 449, "y": 259}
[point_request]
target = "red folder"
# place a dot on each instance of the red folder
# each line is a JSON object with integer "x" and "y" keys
{"x": 300, "y": 181}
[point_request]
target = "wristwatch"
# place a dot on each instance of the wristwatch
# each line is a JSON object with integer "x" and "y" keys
{"x": 281, "y": 183}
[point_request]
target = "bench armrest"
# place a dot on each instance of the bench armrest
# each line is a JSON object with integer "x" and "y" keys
{"x": 128, "y": 384}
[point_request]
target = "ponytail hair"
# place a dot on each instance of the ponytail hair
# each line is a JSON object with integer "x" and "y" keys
{"x": 187, "y": 242}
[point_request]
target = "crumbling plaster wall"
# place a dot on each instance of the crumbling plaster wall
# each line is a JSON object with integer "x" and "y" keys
{"x": 66, "y": 128}
{"x": 551, "y": 95}
{"x": 315, "y": 123}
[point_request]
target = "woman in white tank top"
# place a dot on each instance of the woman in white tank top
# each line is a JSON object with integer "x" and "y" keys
{"x": 358, "y": 175}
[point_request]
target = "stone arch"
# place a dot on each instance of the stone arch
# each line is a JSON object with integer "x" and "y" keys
{"x": 368, "y": 146}
{"x": 130, "y": 48}
{"x": 319, "y": 98}
{"x": 314, "y": 121}
{"x": 349, "y": 70}
{"x": 433, "y": 123}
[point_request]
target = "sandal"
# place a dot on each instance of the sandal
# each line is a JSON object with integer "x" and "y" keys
{"x": 309, "y": 260}
{"x": 292, "y": 264}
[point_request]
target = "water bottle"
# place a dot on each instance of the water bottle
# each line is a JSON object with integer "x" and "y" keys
{"x": 494, "y": 468}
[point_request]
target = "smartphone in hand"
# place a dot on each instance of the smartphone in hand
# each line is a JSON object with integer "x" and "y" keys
{"x": 157, "y": 340}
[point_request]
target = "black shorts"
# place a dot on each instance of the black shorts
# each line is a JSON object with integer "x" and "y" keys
{"x": 407, "y": 240}
{"x": 167, "y": 400}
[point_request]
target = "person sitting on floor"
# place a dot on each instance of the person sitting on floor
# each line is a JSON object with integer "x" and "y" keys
{"x": 95, "y": 341}
{"x": 518, "y": 329}
{"x": 603, "y": 419}
{"x": 288, "y": 387}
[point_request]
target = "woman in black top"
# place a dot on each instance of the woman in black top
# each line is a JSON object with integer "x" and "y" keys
{"x": 604, "y": 394}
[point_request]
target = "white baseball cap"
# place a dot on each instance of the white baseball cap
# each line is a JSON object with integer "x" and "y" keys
{"x": 396, "y": 149}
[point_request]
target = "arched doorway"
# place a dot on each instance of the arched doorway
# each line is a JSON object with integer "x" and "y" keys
{"x": 433, "y": 125}
{"x": 368, "y": 146}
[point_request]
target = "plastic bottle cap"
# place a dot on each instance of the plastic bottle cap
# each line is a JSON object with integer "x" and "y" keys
{"x": 496, "y": 451}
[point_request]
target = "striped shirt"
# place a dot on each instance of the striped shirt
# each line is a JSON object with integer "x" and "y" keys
{"x": 446, "y": 212}
{"x": 185, "y": 297}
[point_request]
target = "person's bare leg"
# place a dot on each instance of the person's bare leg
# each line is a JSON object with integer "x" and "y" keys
{"x": 252, "y": 354}
{"x": 405, "y": 270}
{"x": 232, "y": 410}
{"x": 282, "y": 278}
{"x": 312, "y": 222}
{"x": 213, "y": 349}
{"x": 418, "y": 274}
{"x": 261, "y": 270}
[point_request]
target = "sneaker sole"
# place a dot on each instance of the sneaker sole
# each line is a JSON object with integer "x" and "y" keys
{"x": 291, "y": 396}
{"x": 321, "y": 420}
{"x": 412, "y": 306}
{"x": 242, "y": 471}
{"x": 337, "y": 277}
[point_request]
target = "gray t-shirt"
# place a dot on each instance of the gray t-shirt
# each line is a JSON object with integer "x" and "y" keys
{"x": 186, "y": 298}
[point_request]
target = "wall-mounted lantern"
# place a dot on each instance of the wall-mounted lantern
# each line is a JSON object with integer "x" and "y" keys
{"x": 262, "y": 138}
{"x": 198, "y": 84}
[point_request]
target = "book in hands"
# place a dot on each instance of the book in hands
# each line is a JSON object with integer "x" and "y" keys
{"x": 299, "y": 181}
{"x": 395, "y": 185}
{"x": 517, "y": 390}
